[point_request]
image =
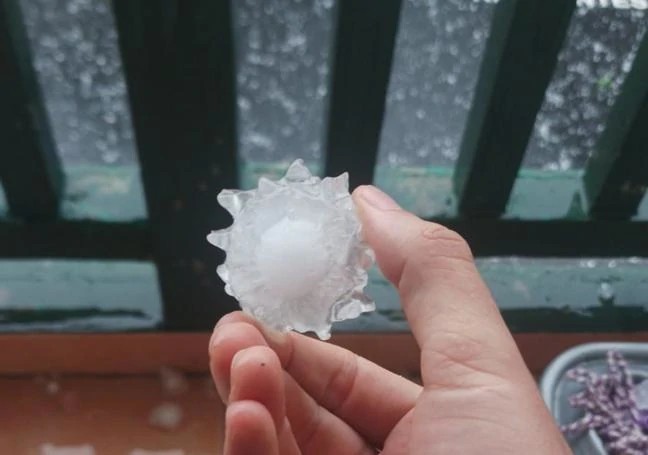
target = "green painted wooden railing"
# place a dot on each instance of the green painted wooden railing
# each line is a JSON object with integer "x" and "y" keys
{"x": 180, "y": 72}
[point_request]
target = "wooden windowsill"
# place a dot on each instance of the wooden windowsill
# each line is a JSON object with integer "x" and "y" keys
{"x": 109, "y": 414}
{"x": 105, "y": 386}
{"x": 146, "y": 353}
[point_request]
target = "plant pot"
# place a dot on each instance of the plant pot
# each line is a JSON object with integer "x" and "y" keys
{"x": 556, "y": 388}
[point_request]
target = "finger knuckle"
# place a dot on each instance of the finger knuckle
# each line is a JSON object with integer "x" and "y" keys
{"x": 342, "y": 382}
{"x": 456, "y": 359}
{"x": 443, "y": 242}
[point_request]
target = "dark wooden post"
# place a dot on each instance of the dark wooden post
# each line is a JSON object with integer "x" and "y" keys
{"x": 179, "y": 65}
{"x": 364, "y": 46}
{"x": 518, "y": 62}
{"x": 30, "y": 169}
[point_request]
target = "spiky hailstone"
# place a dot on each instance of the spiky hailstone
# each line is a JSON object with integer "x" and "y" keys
{"x": 295, "y": 258}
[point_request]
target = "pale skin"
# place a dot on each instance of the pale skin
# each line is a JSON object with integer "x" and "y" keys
{"x": 290, "y": 394}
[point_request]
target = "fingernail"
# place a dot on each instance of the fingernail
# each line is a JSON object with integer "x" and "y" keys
{"x": 215, "y": 338}
{"x": 377, "y": 199}
{"x": 238, "y": 358}
{"x": 225, "y": 318}
{"x": 221, "y": 383}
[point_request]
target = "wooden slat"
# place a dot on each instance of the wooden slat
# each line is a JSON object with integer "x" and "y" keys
{"x": 492, "y": 237}
{"x": 146, "y": 352}
{"x": 75, "y": 240}
{"x": 616, "y": 176}
{"x": 517, "y": 65}
{"x": 30, "y": 170}
{"x": 487, "y": 237}
{"x": 117, "y": 354}
{"x": 109, "y": 414}
{"x": 364, "y": 46}
{"x": 179, "y": 65}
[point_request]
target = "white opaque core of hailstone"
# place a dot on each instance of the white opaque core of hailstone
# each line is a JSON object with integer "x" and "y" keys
{"x": 291, "y": 258}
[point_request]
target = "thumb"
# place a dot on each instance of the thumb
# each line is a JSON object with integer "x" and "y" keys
{"x": 449, "y": 308}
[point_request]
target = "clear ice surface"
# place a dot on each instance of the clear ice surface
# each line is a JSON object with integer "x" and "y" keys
{"x": 641, "y": 395}
{"x": 295, "y": 255}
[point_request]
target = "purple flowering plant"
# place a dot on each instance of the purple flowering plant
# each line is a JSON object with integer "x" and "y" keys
{"x": 614, "y": 405}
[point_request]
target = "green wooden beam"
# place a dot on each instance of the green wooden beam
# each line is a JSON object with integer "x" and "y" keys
{"x": 179, "y": 66}
{"x": 364, "y": 46}
{"x": 533, "y": 295}
{"x": 30, "y": 170}
{"x": 517, "y": 65}
{"x": 616, "y": 175}
{"x": 546, "y": 295}
{"x": 75, "y": 239}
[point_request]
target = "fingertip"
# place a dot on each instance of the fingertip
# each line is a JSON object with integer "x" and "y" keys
{"x": 273, "y": 337}
{"x": 387, "y": 232}
{"x": 234, "y": 316}
{"x": 280, "y": 342}
{"x": 226, "y": 341}
{"x": 370, "y": 195}
{"x": 256, "y": 374}
{"x": 249, "y": 429}
{"x": 246, "y": 414}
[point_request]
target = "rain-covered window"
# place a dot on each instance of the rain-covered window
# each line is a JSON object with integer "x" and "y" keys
{"x": 283, "y": 67}
{"x": 436, "y": 65}
{"x": 283, "y": 58}
{"x": 599, "y": 50}
{"x": 601, "y": 43}
{"x": 76, "y": 57}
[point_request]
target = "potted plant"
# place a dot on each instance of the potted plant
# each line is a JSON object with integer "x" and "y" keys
{"x": 597, "y": 394}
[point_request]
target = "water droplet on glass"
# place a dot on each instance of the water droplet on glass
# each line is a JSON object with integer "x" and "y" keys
{"x": 75, "y": 51}
{"x": 110, "y": 156}
{"x": 606, "y": 292}
{"x": 328, "y": 4}
{"x": 110, "y": 117}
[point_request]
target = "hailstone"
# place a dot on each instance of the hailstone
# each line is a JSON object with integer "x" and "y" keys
{"x": 295, "y": 257}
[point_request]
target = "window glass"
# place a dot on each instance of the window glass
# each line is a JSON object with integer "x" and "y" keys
{"x": 70, "y": 296}
{"x": 76, "y": 56}
{"x": 601, "y": 43}
{"x": 282, "y": 55}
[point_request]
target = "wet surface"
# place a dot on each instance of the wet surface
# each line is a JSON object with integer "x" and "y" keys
{"x": 283, "y": 52}
{"x": 100, "y": 415}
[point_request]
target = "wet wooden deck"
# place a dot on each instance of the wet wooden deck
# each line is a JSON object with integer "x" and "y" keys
{"x": 109, "y": 414}
{"x": 99, "y": 391}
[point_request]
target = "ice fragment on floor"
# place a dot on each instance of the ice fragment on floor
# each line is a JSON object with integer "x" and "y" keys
{"x": 166, "y": 416}
{"x": 51, "y": 449}
{"x": 174, "y": 382}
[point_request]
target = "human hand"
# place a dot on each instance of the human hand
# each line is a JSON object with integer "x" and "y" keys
{"x": 290, "y": 394}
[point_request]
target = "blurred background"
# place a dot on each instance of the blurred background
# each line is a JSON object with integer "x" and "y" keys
{"x": 283, "y": 52}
